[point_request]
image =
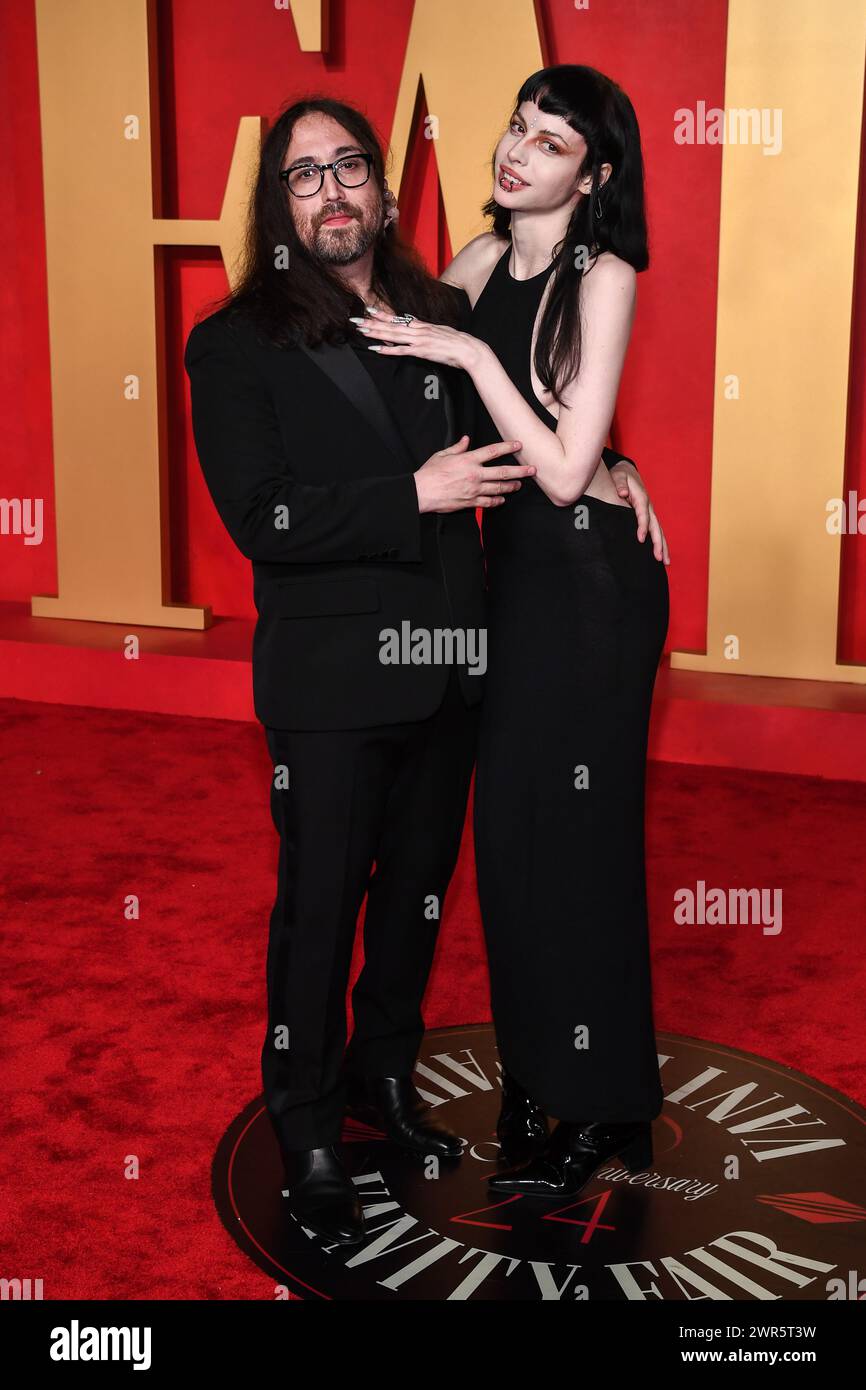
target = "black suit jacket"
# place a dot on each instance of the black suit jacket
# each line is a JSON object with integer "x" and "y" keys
{"x": 303, "y": 436}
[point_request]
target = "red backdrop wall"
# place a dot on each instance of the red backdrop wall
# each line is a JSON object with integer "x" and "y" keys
{"x": 225, "y": 60}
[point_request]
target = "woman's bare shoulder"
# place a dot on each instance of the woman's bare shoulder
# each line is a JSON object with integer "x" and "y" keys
{"x": 471, "y": 267}
{"x": 610, "y": 270}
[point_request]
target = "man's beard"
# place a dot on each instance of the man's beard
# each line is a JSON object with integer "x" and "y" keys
{"x": 342, "y": 245}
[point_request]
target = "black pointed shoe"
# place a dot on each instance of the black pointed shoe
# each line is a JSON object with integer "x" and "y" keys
{"x": 395, "y": 1105}
{"x": 573, "y": 1153}
{"x": 522, "y": 1125}
{"x": 322, "y": 1196}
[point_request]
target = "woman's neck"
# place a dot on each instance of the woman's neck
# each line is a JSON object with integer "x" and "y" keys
{"x": 533, "y": 237}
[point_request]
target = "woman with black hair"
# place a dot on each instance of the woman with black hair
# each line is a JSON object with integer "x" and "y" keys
{"x": 578, "y": 614}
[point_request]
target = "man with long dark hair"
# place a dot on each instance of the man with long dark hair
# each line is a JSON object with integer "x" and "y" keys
{"x": 340, "y": 474}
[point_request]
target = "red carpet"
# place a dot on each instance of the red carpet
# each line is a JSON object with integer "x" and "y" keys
{"x": 138, "y": 1040}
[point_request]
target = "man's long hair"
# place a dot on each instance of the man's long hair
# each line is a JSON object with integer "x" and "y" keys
{"x": 610, "y": 217}
{"x": 307, "y": 297}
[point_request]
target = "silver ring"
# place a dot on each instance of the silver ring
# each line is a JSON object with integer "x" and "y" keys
{"x": 405, "y": 318}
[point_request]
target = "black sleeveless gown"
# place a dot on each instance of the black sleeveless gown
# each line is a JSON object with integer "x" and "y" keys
{"x": 578, "y": 614}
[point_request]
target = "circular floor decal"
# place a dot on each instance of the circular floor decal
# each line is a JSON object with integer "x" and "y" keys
{"x": 756, "y": 1192}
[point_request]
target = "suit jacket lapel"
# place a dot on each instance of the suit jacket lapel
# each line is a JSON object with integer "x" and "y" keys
{"x": 343, "y": 368}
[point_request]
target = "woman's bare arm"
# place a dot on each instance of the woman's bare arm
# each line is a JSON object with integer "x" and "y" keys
{"x": 567, "y": 458}
{"x": 470, "y": 269}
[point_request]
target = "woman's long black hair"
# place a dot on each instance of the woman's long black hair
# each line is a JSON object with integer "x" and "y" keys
{"x": 602, "y": 113}
{"x": 309, "y": 297}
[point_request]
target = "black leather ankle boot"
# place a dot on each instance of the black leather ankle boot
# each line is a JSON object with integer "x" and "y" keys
{"x": 322, "y": 1196}
{"x": 573, "y": 1153}
{"x": 522, "y": 1125}
{"x": 394, "y": 1104}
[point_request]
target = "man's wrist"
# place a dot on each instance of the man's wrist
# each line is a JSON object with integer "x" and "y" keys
{"x": 419, "y": 490}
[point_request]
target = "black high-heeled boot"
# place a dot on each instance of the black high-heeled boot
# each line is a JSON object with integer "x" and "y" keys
{"x": 522, "y": 1125}
{"x": 573, "y": 1153}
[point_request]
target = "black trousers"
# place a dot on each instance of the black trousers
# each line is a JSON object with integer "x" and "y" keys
{"x": 395, "y": 795}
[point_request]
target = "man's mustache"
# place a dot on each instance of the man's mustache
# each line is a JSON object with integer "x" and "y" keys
{"x": 336, "y": 212}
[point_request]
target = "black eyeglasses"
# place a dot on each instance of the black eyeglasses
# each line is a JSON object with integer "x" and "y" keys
{"x": 305, "y": 180}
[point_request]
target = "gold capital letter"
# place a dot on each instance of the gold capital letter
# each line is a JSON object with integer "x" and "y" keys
{"x": 786, "y": 275}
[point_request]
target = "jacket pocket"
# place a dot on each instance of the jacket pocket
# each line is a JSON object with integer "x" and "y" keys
{"x": 317, "y": 598}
